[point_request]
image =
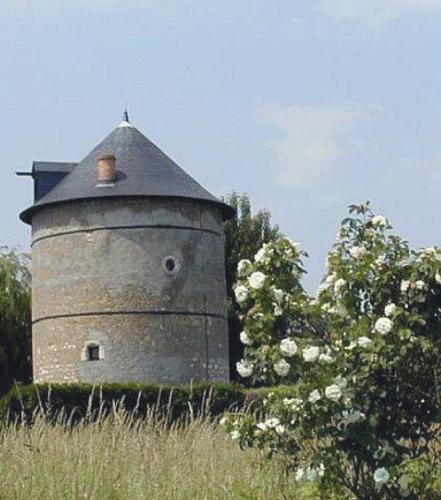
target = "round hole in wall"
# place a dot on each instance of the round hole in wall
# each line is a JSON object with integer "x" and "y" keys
{"x": 171, "y": 264}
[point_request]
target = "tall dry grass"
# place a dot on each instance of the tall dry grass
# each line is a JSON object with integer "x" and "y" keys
{"x": 120, "y": 458}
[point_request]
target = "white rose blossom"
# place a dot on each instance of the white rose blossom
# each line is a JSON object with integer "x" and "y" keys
{"x": 288, "y": 401}
{"x": 311, "y": 474}
{"x": 380, "y": 261}
{"x": 282, "y": 368}
{"x": 405, "y": 285}
{"x": 339, "y": 285}
{"x": 340, "y": 310}
{"x": 322, "y": 288}
{"x": 235, "y": 435}
{"x": 327, "y": 283}
{"x": 357, "y": 252}
{"x": 390, "y": 309}
{"x": 379, "y": 220}
{"x": 333, "y": 392}
{"x": 420, "y": 285}
{"x": 381, "y": 476}
{"x": 288, "y": 347}
{"x": 244, "y": 338}
{"x": 383, "y": 326}
{"x": 294, "y": 244}
{"x": 311, "y": 354}
{"x": 242, "y": 266}
{"x": 326, "y": 307}
{"x": 260, "y": 255}
{"x": 272, "y": 422}
{"x": 431, "y": 251}
{"x": 325, "y": 358}
{"x": 314, "y": 396}
{"x": 256, "y": 280}
{"x": 241, "y": 293}
{"x": 278, "y": 311}
{"x": 294, "y": 403}
{"x": 438, "y": 278}
{"x": 341, "y": 382}
{"x": 299, "y": 474}
{"x": 278, "y": 294}
{"x": 351, "y": 346}
{"x": 262, "y": 426}
{"x": 280, "y": 429}
{"x": 330, "y": 278}
{"x": 244, "y": 368}
{"x": 352, "y": 416}
{"x": 364, "y": 341}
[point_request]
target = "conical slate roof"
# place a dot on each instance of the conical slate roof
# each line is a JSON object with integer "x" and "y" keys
{"x": 143, "y": 171}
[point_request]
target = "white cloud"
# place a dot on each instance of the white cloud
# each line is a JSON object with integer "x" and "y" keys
{"x": 313, "y": 137}
{"x": 373, "y": 15}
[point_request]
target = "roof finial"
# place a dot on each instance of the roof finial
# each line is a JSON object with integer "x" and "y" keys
{"x": 125, "y": 119}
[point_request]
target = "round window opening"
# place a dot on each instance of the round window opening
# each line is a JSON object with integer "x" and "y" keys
{"x": 171, "y": 265}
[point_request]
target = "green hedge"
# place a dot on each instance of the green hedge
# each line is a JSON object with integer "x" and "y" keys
{"x": 83, "y": 400}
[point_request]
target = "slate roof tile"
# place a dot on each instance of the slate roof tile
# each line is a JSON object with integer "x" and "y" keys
{"x": 143, "y": 171}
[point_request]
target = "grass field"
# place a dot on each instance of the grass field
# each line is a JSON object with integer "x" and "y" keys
{"x": 112, "y": 459}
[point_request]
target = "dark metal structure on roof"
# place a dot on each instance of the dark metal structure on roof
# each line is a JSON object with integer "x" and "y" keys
{"x": 143, "y": 171}
{"x": 46, "y": 175}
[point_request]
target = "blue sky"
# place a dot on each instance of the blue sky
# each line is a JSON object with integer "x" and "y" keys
{"x": 305, "y": 105}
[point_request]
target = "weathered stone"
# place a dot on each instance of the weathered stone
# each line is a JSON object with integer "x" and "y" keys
{"x": 100, "y": 277}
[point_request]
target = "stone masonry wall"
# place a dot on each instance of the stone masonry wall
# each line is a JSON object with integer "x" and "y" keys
{"x": 100, "y": 278}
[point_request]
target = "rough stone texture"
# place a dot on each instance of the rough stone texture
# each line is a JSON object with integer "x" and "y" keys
{"x": 99, "y": 277}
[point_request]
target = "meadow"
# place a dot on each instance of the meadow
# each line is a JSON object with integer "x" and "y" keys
{"x": 120, "y": 458}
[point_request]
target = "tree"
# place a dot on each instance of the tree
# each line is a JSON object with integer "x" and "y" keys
{"x": 363, "y": 415}
{"x": 244, "y": 235}
{"x": 15, "y": 319}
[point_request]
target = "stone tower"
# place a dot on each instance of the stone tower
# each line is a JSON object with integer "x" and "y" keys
{"x": 128, "y": 268}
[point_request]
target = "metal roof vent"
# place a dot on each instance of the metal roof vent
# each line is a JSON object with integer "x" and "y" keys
{"x": 106, "y": 170}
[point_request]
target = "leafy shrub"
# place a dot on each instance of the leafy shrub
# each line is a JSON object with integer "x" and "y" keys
{"x": 80, "y": 401}
{"x": 365, "y": 416}
{"x": 245, "y": 233}
{"x": 276, "y": 309}
{"x": 15, "y": 319}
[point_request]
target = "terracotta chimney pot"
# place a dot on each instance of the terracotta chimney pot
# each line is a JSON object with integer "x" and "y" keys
{"x": 106, "y": 169}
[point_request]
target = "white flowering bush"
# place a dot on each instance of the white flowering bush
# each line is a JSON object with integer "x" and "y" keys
{"x": 278, "y": 316}
{"x": 365, "y": 411}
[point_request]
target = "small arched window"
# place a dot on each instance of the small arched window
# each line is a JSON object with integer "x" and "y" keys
{"x": 93, "y": 352}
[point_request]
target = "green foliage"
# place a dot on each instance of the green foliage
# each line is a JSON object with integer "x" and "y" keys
{"x": 365, "y": 415}
{"x": 15, "y": 319}
{"x": 244, "y": 235}
{"x": 81, "y": 400}
{"x": 276, "y": 308}
{"x": 423, "y": 476}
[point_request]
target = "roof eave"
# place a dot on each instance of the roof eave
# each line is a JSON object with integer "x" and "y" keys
{"x": 26, "y": 216}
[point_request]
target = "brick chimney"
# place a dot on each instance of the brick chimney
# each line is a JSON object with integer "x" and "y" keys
{"x": 106, "y": 169}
